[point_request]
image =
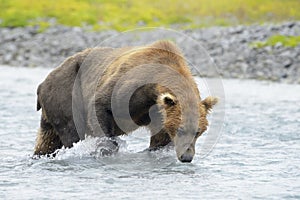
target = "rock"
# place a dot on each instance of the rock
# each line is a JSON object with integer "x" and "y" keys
{"x": 287, "y": 63}
{"x": 290, "y": 24}
{"x": 229, "y": 47}
{"x": 7, "y": 58}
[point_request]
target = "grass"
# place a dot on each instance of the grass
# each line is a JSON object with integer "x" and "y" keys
{"x": 123, "y": 15}
{"x": 287, "y": 41}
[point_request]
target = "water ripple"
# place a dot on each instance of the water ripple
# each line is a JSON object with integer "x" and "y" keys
{"x": 257, "y": 156}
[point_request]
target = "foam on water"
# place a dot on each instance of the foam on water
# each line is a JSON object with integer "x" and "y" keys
{"x": 257, "y": 154}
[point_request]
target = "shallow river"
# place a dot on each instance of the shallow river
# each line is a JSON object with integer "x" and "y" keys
{"x": 257, "y": 155}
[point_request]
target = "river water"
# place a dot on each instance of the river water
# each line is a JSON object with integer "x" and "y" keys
{"x": 256, "y": 157}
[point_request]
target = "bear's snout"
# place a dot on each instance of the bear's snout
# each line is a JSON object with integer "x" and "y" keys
{"x": 186, "y": 157}
{"x": 185, "y": 146}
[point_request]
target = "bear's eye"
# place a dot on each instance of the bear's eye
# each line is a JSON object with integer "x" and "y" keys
{"x": 169, "y": 101}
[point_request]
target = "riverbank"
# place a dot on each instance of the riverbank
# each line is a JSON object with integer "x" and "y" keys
{"x": 239, "y": 52}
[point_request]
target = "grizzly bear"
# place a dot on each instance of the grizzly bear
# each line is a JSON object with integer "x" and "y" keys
{"x": 108, "y": 92}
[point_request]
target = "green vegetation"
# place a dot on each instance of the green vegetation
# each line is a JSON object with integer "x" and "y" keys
{"x": 123, "y": 15}
{"x": 287, "y": 41}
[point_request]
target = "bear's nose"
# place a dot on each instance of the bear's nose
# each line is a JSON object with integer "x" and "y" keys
{"x": 186, "y": 158}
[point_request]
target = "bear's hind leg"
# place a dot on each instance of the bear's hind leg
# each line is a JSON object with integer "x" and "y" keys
{"x": 47, "y": 142}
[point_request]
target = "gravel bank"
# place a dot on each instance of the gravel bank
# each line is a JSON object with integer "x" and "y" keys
{"x": 230, "y": 48}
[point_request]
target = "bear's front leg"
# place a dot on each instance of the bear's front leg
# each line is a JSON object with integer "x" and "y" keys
{"x": 159, "y": 140}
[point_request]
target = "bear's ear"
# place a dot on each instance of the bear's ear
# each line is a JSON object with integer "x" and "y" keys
{"x": 168, "y": 99}
{"x": 209, "y": 102}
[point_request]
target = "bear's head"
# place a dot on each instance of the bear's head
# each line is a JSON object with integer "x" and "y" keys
{"x": 184, "y": 121}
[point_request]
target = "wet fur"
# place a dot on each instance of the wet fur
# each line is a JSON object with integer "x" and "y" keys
{"x": 55, "y": 96}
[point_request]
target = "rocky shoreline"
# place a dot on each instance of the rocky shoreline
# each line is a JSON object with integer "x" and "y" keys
{"x": 230, "y": 47}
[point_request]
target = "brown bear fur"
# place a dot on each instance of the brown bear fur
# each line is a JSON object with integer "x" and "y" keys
{"x": 102, "y": 68}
